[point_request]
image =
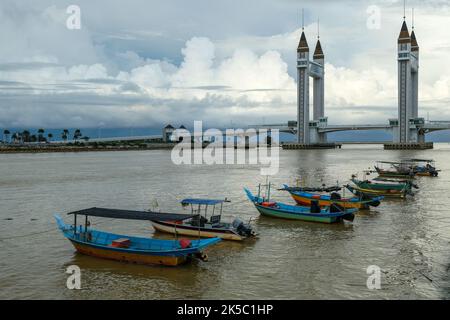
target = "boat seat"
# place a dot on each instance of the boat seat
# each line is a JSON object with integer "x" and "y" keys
{"x": 198, "y": 221}
{"x": 214, "y": 219}
{"x": 121, "y": 243}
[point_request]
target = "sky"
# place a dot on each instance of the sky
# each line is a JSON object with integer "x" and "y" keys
{"x": 141, "y": 63}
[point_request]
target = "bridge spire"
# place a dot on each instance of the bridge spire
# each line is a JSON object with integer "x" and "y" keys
{"x": 303, "y": 19}
{"x": 404, "y": 34}
{"x": 404, "y": 10}
{"x": 414, "y": 44}
{"x": 318, "y": 53}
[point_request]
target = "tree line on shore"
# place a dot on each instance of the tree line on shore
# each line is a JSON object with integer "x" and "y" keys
{"x": 26, "y": 136}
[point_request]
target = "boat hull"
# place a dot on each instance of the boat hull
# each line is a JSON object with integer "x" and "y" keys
{"x": 269, "y": 212}
{"x": 427, "y": 174}
{"x": 388, "y": 173}
{"x": 305, "y": 201}
{"x": 179, "y": 229}
{"x": 129, "y": 257}
{"x": 384, "y": 193}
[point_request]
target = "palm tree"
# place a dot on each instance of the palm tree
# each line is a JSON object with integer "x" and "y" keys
{"x": 65, "y": 134}
{"x": 50, "y": 136}
{"x": 77, "y": 134}
{"x": 6, "y": 134}
{"x": 25, "y": 136}
{"x": 41, "y": 134}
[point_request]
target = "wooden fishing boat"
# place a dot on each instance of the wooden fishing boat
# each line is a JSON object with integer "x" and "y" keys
{"x": 423, "y": 167}
{"x": 331, "y": 214}
{"x": 126, "y": 248}
{"x": 360, "y": 191}
{"x": 305, "y": 198}
{"x": 400, "y": 169}
{"x": 372, "y": 188}
{"x": 202, "y": 225}
{"x": 384, "y": 185}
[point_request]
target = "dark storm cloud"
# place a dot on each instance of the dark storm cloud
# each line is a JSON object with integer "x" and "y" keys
{"x": 118, "y": 66}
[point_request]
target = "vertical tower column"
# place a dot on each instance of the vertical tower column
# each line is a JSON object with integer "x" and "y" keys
{"x": 414, "y": 76}
{"x": 318, "y": 85}
{"x": 303, "y": 91}
{"x": 404, "y": 83}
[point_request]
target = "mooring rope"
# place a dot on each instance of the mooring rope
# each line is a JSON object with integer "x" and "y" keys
{"x": 41, "y": 232}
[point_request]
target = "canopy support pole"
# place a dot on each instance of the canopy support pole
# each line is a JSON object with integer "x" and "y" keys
{"x": 75, "y": 224}
{"x": 85, "y": 227}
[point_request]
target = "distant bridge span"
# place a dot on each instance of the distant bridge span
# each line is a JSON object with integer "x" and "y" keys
{"x": 428, "y": 126}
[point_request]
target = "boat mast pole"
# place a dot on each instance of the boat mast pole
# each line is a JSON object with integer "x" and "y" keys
{"x": 176, "y": 235}
{"x": 85, "y": 227}
{"x": 199, "y": 221}
{"x": 75, "y": 225}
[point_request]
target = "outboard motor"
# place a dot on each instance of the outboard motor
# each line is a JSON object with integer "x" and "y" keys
{"x": 338, "y": 208}
{"x": 202, "y": 256}
{"x": 236, "y": 223}
{"x": 349, "y": 217}
{"x": 315, "y": 208}
{"x": 433, "y": 171}
{"x": 374, "y": 203}
{"x": 412, "y": 185}
{"x": 243, "y": 229}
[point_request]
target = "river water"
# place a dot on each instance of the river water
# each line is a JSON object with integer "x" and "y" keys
{"x": 409, "y": 240}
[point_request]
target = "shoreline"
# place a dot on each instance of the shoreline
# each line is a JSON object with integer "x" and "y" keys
{"x": 52, "y": 149}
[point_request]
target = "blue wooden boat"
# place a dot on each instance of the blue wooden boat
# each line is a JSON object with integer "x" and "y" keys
{"x": 331, "y": 214}
{"x": 129, "y": 248}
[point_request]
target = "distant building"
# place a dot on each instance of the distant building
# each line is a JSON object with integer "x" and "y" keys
{"x": 167, "y": 133}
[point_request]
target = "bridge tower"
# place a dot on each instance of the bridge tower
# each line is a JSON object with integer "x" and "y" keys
{"x": 303, "y": 90}
{"x": 404, "y": 84}
{"x": 317, "y": 71}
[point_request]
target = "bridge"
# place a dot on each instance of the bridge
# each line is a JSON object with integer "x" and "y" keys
{"x": 407, "y": 129}
{"x": 290, "y": 127}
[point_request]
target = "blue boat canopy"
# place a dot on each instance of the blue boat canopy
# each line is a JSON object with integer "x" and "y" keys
{"x": 211, "y": 202}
